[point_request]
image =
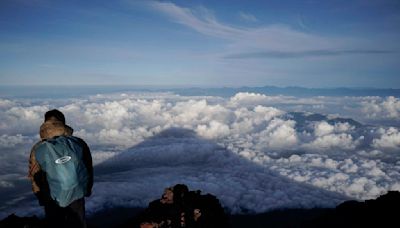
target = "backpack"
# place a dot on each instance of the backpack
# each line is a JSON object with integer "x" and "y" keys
{"x": 61, "y": 159}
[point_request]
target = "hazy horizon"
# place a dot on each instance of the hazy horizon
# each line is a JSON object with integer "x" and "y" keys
{"x": 175, "y": 86}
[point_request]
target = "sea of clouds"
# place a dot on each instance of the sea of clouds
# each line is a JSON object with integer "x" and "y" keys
{"x": 254, "y": 152}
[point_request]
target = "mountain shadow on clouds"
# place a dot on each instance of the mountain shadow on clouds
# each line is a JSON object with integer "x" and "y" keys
{"x": 138, "y": 175}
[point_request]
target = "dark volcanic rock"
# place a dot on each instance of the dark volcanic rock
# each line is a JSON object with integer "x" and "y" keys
{"x": 381, "y": 212}
{"x": 13, "y": 221}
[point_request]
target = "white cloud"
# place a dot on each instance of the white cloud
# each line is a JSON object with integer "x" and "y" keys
{"x": 343, "y": 127}
{"x": 195, "y": 112}
{"x": 247, "y": 17}
{"x": 333, "y": 141}
{"x": 348, "y": 166}
{"x": 4, "y": 103}
{"x": 323, "y": 128}
{"x": 273, "y": 40}
{"x": 355, "y": 177}
{"x": 226, "y": 146}
{"x": 388, "y": 139}
{"x": 10, "y": 141}
{"x": 19, "y": 119}
{"x": 336, "y": 136}
{"x": 273, "y": 37}
{"x": 380, "y": 108}
{"x": 213, "y": 130}
{"x": 244, "y": 98}
{"x": 279, "y": 134}
{"x": 201, "y": 20}
{"x": 253, "y": 99}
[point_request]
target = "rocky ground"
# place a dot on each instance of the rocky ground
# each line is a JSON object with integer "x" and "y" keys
{"x": 381, "y": 212}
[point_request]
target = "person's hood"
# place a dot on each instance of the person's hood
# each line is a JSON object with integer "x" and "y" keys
{"x": 53, "y": 128}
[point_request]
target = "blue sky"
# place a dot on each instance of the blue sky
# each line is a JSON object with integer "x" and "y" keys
{"x": 200, "y": 43}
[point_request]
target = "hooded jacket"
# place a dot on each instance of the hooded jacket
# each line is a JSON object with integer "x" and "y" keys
{"x": 48, "y": 130}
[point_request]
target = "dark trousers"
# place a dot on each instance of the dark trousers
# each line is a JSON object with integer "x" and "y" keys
{"x": 66, "y": 217}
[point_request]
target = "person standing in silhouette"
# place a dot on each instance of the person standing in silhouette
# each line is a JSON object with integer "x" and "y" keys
{"x": 72, "y": 215}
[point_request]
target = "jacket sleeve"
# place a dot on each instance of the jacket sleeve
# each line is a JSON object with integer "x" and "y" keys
{"x": 34, "y": 168}
{"x": 87, "y": 160}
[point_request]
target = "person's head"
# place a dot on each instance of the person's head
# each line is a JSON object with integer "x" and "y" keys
{"x": 180, "y": 190}
{"x": 54, "y": 114}
{"x": 168, "y": 196}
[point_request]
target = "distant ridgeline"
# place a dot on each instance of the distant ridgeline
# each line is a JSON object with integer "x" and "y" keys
{"x": 289, "y": 91}
{"x": 76, "y": 91}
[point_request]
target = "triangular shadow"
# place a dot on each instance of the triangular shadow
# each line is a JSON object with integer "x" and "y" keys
{"x": 178, "y": 155}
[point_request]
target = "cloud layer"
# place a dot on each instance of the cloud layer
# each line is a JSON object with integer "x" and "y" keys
{"x": 255, "y": 152}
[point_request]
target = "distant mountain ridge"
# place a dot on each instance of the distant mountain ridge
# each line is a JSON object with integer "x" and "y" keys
{"x": 289, "y": 91}
{"x": 79, "y": 90}
{"x": 302, "y": 119}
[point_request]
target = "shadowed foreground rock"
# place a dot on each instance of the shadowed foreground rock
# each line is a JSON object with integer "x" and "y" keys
{"x": 179, "y": 207}
{"x": 21, "y": 222}
{"x": 381, "y": 212}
